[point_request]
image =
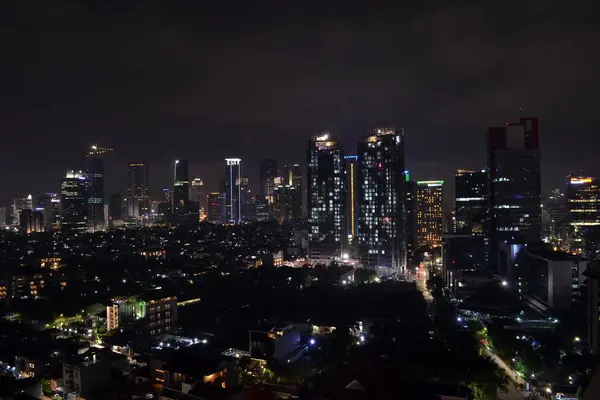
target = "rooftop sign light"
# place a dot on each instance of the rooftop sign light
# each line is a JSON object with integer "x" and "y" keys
{"x": 430, "y": 183}
{"x": 233, "y": 161}
{"x": 580, "y": 181}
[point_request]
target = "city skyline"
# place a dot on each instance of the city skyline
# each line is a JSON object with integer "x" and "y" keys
{"x": 444, "y": 89}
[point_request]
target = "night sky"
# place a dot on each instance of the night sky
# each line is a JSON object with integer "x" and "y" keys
{"x": 199, "y": 80}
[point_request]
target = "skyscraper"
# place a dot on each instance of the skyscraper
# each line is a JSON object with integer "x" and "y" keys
{"x": 325, "y": 197}
{"x": 94, "y": 172}
{"x": 381, "y": 178}
{"x": 583, "y": 203}
{"x": 74, "y": 204}
{"x": 351, "y": 172}
{"x": 49, "y": 203}
{"x": 215, "y": 208}
{"x": 287, "y": 195}
{"x": 471, "y": 200}
{"x": 20, "y": 204}
{"x": 181, "y": 188}
{"x": 268, "y": 173}
{"x": 197, "y": 194}
{"x": 515, "y": 197}
{"x": 430, "y": 214}
{"x": 410, "y": 210}
{"x": 137, "y": 201}
{"x": 233, "y": 190}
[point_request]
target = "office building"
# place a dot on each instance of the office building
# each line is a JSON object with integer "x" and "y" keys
{"x": 49, "y": 204}
{"x": 326, "y": 202}
{"x": 31, "y": 221}
{"x": 181, "y": 189}
{"x": 215, "y": 208}
{"x": 471, "y": 200}
{"x": 261, "y": 209}
{"x": 94, "y": 172}
{"x": 515, "y": 196}
{"x": 74, "y": 205}
{"x": 137, "y": 201}
{"x": 430, "y": 214}
{"x": 197, "y": 195}
{"x": 593, "y": 311}
{"x": 410, "y": 211}
{"x": 233, "y": 190}
{"x": 555, "y": 220}
{"x": 292, "y": 178}
{"x": 381, "y": 239}
{"x": 268, "y": 173}
{"x": 352, "y": 210}
{"x": 20, "y": 204}
{"x": 583, "y": 206}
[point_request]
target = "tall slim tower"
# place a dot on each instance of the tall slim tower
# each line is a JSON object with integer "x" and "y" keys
{"x": 74, "y": 205}
{"x": 515, "y": 188}
{"x": 233, "y": 189}
{"x": 410, "y": 211}
{"x": 430, "y": 213}
{"x": 94, "y": 172}
{"x": 382, "y": 239}
{"x": 181, "y": 188}
{"x": 268, "y": 173}
{"x": 137, "y": 201}
{"x": 326, "y": 200}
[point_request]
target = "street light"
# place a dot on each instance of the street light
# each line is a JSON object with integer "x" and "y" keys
{"x": 577, "y": 339}
{"x": 504, "y": 283}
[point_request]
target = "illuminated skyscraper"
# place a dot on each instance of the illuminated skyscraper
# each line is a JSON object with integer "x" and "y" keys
{"x": 49, "y": 203}
{"x": 181, "y": 189}
{"x": 268, "y": 173}
{"x": 471, "y": 200}
{"x": 20, "y": 204}
{"x": 515, "y": 197}
{"x": 381, "y": 229}
{"x": 215, "y": 208}
{"x": 351, "y": 172}
{"x": 583, "y": 203}
{"x": 137, "y": 201}
{"x": 74, "y": 204}
{"x": 287, "y": 196}
{"x": 326, "y": 201}
{"x": 94, "y": 172}
{"x": 233, "y": 190}
{"x": 430, "y": 214}
{"x": 410, "y": 210}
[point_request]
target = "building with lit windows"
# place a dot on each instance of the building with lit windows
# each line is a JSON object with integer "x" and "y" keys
{"x": 471, "y": 200}
{"x": 137, "y": 200}
{"x": 351, "y": 171}
{"x": 515, "y": 188}
{"x": 215, "y": 207}
{"x": 181, "y": 189}
{"x": 32, "y": 221}
{"x": 74, "y": 205}
{"x": 94, "y": 173}
{"x": 583, "y": 204}
{"x": 381, "y": 240}
{"x": 49, "y": 203}
{"x": 20, "y": 204}
{"x": 197, "y": 196}
{"x": 233, "y": 190}
{"x": 268, "y": 173}
{"x": 410, "y": 211}
{"x": 326, "y": 202}
{"x": 430, "y": 214}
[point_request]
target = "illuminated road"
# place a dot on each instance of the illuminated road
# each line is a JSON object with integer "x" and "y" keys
{"x": 422, "y": 276}
{"x": 508, "y": 371}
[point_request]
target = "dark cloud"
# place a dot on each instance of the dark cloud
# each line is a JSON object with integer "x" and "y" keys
{"x": 160, "y": 80}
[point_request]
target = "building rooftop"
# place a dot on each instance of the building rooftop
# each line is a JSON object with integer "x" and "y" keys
{"x": 548, "y": 253}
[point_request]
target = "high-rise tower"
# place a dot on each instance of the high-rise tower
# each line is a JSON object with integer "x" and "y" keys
{"x": 471, "y": 200}
{"x": 381, "y": 230}
{"x": 74, "y": 204}
{"x": 268, "y": 173}
{"x": 326, "y": 200}
{"x": 430, "y": 214}
{"x": 233, "y": 189}
{"x": 137, "y": 201}
{"x": 181, "y": 189}
{"x": 515, "y": 188}
{"x": 94, "y": 172}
